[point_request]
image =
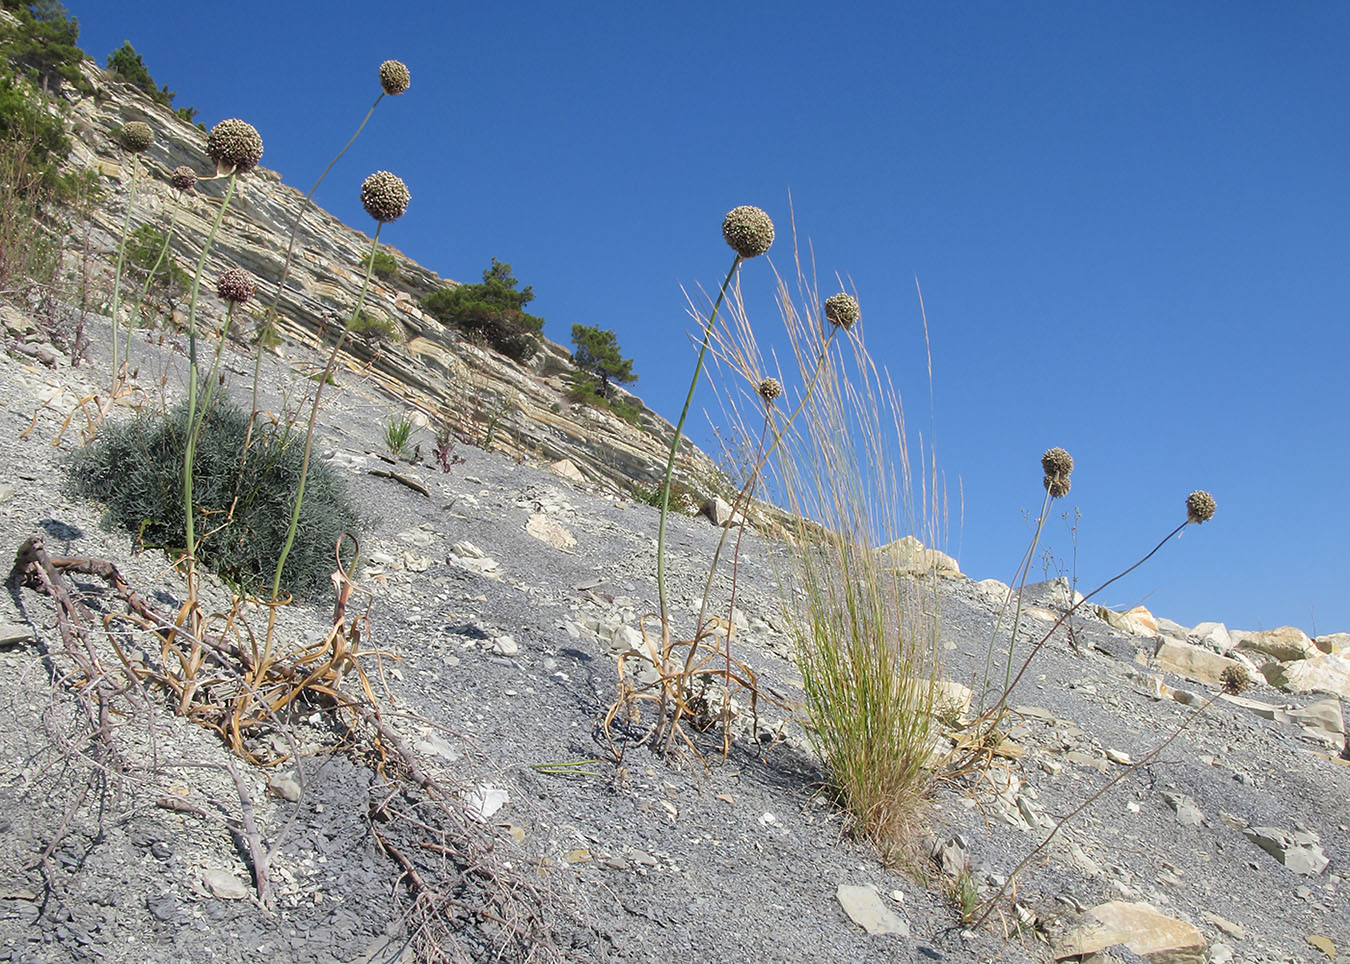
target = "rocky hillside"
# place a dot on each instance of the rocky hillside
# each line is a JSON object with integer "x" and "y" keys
{"x": 434, "y": 369}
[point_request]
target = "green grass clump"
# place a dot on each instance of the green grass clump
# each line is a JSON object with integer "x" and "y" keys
{"x": 137, "y": 469}
{"x": 397, "y": 433}
{"x": 865, "y": 634}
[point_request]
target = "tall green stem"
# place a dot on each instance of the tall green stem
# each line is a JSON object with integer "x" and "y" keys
{"x": 314, "y": 415}
{"x": 121, "y": 259}
{"x": 270, "y": 317}
{"x": 670, "y": 460}
{"x": 190, "y": 446}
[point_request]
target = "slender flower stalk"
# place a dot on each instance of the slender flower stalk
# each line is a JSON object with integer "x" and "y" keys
{"x": 314, "y": 418}
{"x": 189, "y": 448}
{"x": 749, "y": 232}
{"x": 121, "y": 261}
{"x": 394, "y": 80}
{"x": 385, "y": 198}
{"x": 990, "y": 717}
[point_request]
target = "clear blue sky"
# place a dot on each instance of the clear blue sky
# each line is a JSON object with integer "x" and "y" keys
{"x": 1129, "y": 221}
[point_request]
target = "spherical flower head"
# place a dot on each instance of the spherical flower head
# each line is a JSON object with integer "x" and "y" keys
{"x": 1056, "y": 461}
{"x": 842, "y": 310}
{"x": 385, "y": 196}
{"x": 234, "y": 144}
{"x": 1234, "y": 679}
{"x": 136, "y": 136}
{"x": 769, "y": 389}
{"x": 1200, "y": 506}
{"x": 236, "y": 286}
{"x": 748, "y": 230}
{"x": 183, "y": 177}
{"x": 1057, "y": 485}
{"x": 394, "y": 77}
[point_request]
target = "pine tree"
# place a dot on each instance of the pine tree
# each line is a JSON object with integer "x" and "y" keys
{"x": 597, "y": 352}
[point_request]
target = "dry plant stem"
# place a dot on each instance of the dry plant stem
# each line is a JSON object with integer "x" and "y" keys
{"x": 994, "y": 712}
{"x": 739, "y": 505}
{"x": 314, "y": 418}
{"x": 742, "y": 500}
{"x": 249, "y": 831}
{"x": 993, "y": 901}
{"x": 150, "y": 276}
{"x": 121, "y": 259}
{"x": 1020, "y": 578}
{"x": 189, "y": 453}
{"x": 731, "y": 606}
{"x": 271, "y": 317}
{"x": 670, "y": 460}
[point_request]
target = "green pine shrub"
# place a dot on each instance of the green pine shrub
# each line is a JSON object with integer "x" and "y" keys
{"x": 591, "y": 392}
{"x": 374, "y": 326}
{"x": 383, "y": 265}
{"x": 491, "y": 311}
{"x": 136, "y": 468}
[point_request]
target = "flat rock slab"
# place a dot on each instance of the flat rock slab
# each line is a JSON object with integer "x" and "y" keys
{"x": 863, "y": 904}
{"x": 1141, "y": 928}
{"x": 1298, "y": 850}
{"x": 12, "y": 635}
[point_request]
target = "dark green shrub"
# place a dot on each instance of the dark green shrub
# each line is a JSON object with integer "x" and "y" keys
{"x": 137, "y": 469}
{"x": 588, "y": 390}
{"x": 682, "y": 497}
{"x": 170, "y": 283}
{"x": 384, "y": 265}
{"x": 374, "y": 326}
{"x": 43, "y": 44}
{"x": 126, "y": 64}
{"x": 33, "y": 191}
{"x": 492, "y": 311}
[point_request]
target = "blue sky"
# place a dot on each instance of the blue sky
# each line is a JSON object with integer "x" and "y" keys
{"x": 1129, "y": 221}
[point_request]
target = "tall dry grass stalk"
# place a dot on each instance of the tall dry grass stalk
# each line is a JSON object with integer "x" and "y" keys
{"x": 865, "y": 634}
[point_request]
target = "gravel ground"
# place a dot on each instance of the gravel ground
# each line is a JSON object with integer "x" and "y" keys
{"x": 497, "y": 670}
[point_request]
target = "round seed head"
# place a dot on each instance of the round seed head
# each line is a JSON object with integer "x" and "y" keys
{"x": 183, "y": 177}
{"x": 394, "y": 77}
{"x": 1200, "y": 506}
{"x": 842, "y": 310}
{"x": 748, "y": 230}
{"x": 236, "y": 285}
{"x": 1056, "y": 461}
{"x": 234, "y": 143}
{"x": 770, "y": 388}
{"x": 385, "y": 196}
{"x": 136, "y": 136}
{"x": 1057, "y": 485}
{"x": 1235, "y": 679}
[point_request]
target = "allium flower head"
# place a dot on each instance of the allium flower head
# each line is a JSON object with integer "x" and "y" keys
{"x": 236, "y": 285}
{"x": 1200, "y": 506}
{"x": 1057, "y": 485}
{"x": 183, "y": 177}
{"x": 234, "y": 143}
{"x": 1234, "y": 679}
{"x": 748, "y": 230}
{"x": 394, "y": 77}
{"x": 385, "y": 196}
{"x": 136, "y": 136}
{"x": 842, "y": 310}
{"x": 770, "y": 388}
{"x": 1056, "y": 461}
